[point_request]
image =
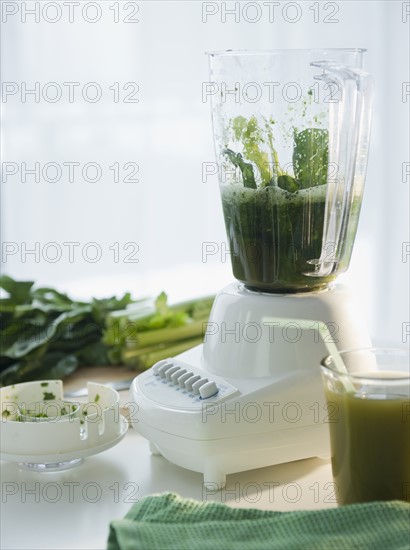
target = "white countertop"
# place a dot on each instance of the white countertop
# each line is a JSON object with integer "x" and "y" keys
{"x": 72, "y": 509}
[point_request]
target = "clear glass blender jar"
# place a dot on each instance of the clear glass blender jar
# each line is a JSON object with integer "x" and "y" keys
{"x": 291, "y": 133}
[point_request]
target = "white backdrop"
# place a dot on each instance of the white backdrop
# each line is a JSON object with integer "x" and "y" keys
{"x": 154, "y": 52}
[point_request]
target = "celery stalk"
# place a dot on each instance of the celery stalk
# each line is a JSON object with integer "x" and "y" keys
{"x": 145, "y": 360}
{"x": 168, "y": 335}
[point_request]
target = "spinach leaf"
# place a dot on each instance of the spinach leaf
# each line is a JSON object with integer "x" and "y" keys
{"x": 245, "y": 167}
{"x": 51, "y": 366}
{"x": 47, "y": 334}
{"x": 288, "y": 183}
{"x": 19, "y": 292}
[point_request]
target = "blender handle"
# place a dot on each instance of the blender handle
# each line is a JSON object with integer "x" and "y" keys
{"x": 349, "y": 134}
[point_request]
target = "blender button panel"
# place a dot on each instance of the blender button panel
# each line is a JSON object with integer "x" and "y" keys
{"x": 176, "y": 385}
{"x": 197, "y": 385}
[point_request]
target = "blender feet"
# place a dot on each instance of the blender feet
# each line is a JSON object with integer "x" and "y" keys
{"x": 214, "y": 480}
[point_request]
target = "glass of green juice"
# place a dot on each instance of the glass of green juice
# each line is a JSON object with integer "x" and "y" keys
{"x": 370, "y": 423}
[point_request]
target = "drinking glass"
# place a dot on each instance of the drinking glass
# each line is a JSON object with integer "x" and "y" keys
{"x": 369, "y": 423}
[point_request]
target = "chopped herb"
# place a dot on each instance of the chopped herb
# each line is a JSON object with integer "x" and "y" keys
{"x": 47, "y": 396}
{"x": 6, "y": 413}
{"x": 44, "y": 384}
{"x": 97, "y": 398}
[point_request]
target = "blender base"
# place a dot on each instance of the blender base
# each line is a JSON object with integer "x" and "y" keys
{"x": 216, "y": 459}
{"x": 270, "y": 406}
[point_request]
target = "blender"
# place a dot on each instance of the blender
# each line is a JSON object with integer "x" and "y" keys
{"x": 291, "y": 133}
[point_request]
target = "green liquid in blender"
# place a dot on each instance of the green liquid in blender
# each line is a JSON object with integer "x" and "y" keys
{"x": 274, "y": 235}
{"x": 370, "y": 443}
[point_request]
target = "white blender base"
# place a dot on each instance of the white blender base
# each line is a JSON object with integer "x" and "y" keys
{"x": 216, "y": 459}
{"x": 270, "y": 406}
{"x": 234, "y": 459}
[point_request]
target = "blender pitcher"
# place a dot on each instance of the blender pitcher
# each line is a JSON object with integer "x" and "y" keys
{"x": 291, "y": 132}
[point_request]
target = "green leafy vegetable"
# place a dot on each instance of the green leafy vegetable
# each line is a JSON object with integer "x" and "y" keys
{"x": 310, "y": 156}
{"x": 246, "y": 168}
{"x": 252, "y": 136}
{"x": 47, "y": 335}
{"x": 288, "y": 183}
{"x": 141, "y": 341}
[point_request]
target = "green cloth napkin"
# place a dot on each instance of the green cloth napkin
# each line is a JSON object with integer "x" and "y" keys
{"x": 171, "y": 522}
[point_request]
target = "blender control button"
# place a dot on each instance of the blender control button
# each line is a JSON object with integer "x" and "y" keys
{"x": 162, "y": 370}
{"x": 191, "y": 381}
{"x": 169, "y": 372}
{"x": 197, "y": 385}
{"x": 208, "y": 390}
{"x": 176, "y": 375}
{"x": 184, "y": 378}
{"x": 157, "y": 366}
